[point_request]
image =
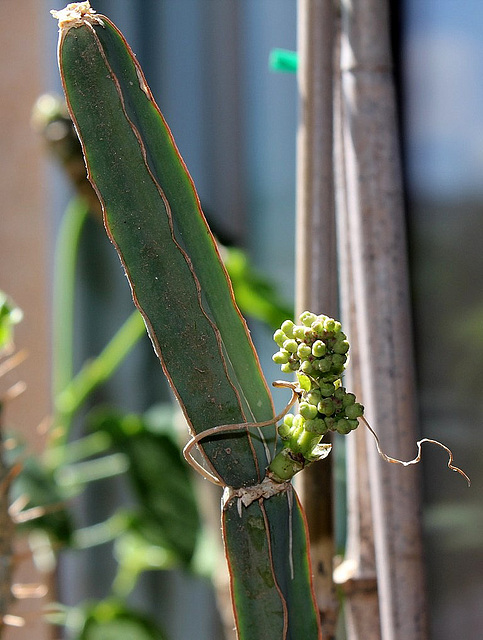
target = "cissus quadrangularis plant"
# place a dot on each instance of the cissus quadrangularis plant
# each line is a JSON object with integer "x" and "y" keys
{"x": 152, "y": 214}
{"x": 153, "y": 217}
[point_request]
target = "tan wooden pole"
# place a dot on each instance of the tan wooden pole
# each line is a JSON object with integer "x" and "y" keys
{"x": 379, "y": 317}
{"x": 316, "y": 268}
{"x": 357, "y": 573}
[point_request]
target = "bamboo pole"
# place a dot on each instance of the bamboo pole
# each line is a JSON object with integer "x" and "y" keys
{"x": 316, "y": 269}
{"x": 379, "y": 320}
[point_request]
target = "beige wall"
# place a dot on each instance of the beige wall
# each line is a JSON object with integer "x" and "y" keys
{"x": 23, "y": 232}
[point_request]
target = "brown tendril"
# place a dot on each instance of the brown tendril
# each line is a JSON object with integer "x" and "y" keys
{"x": 226, "y": 428}
{"x": 417, "y": 459}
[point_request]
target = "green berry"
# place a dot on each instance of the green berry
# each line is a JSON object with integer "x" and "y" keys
{"x": 318, "y": 327}
{"x": 330, "y": 423}
{"x": 298, "y": 422}
{"x": 339, "y": 360}
{"x": 313, "y": 397}
{"x": 281, "y": 357}
{"x": 319, "y": 348}
{"x": 340, "y": 346}
{"x": 290, "y": 345}
{"x": 327, "y": 389}
{"x": 338, "y": 364}
{"x": 304, "y": 351}
{"x": 317, "y": 426}
{"x": 307, "y": 318}
{"x": 343, "y": 426}
{"x": 279, "y": 337}
{"x": 286, "y": 368}
{"x": 294, "y": 365}
{"x": 329, "y": 325}
{"x": 284, "y": 431}
{"x": 324, "y": 364}
{"x": 308, "y": 411}
{"x": 307, "y": 367}
{"x": 288, "y": 420}
{"x": 298, "y": 332}
{"x": 288, "y": 327}
{"x": 354, "y": 411}
{"x": 348, "y": 399}
{"x": 326, "y": 407}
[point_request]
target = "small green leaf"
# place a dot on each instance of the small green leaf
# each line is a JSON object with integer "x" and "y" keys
{"x": 304, "y": 381}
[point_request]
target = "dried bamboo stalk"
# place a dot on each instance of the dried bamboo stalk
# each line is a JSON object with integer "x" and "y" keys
{"x": 316, "y": 268}
{"x": 374, "y": 263}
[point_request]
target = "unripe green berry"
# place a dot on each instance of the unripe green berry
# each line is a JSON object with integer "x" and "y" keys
{"x": 329, "y": 325}
{"x": 353, "y": 424}
{"x": 294, "y": 365}
{"x": 308, "y": 411}
{"x": 286, "y": 368}
{"x": 298, "y": 421}
{"x": 318, "y": 327}
{"x": 330, "y": 422}
{"x": 313, "y": 397}
{"x": 324, "y": 364}
{"x": 288, "y": 327}
{"x": 307, "y": 367}
{"x": 290, "y": 345}
{"x": 354, "y": 411}
{"x": 348, "y": 399}
{"x": 304, "y": 351}
{"x": 317, "y": 426}
{"x": 340, "y": 346}
{"x": 343, "y": 426}
{"x": 279, "y": 337}
{"x": 281, "y": 357}
{"x": 338, "y": 364}
{"x": 339, "y": 359}
{"x": 284, "y": 431}
{"x": 288, "y": 420}
{"x": 326, "y": 407}
{"x": 298, "y": 332}
{"x": 319, "y": 348}
{"x": 307, "y": 318}
{"x": 327, "y": 389}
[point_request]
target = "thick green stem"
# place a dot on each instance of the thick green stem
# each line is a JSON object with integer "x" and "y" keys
{"x": 307, "y": 442}
{"x": 285, "y": 465}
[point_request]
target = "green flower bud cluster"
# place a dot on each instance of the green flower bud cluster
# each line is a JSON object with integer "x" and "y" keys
{"x": 316, "y": 350}
{"x": 317, "y": 347}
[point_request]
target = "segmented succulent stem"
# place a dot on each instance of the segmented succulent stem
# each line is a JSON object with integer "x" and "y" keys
{"x": 152, "y": 215}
